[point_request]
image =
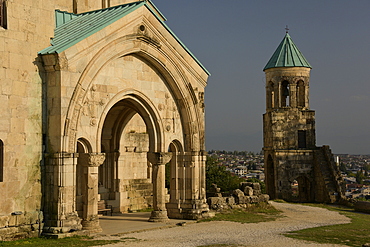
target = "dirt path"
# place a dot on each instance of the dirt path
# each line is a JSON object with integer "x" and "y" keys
{"x": 236, "y": 234}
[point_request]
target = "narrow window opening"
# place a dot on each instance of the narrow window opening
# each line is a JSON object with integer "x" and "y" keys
{"x": 301, "y": 94}
{"x": 270, "y": 95}
{"x": 1, "y": 161}
{"x": 302, "y": 139}
{"x": 3, "y": 14}
{"x": 285, "y": 94}
{"x": 75, "y": 6}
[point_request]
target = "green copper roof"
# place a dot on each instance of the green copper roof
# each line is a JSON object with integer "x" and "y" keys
{"x": 73, "y": 28}
{"x": 287, "y": 55}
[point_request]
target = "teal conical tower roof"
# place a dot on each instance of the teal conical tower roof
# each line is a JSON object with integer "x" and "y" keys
{"x": 287, "y": 55}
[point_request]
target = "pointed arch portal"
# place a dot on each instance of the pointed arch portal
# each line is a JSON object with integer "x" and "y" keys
{"x": 128, "y": 133}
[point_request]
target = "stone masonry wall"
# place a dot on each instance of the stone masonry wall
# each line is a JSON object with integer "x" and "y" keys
{"x": 30, "y": 25}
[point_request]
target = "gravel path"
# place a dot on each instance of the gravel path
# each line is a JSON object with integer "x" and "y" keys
{"x": 236, "y": 234}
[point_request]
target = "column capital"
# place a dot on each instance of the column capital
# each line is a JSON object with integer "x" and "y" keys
{"x": 159, "y": 158}
{"x": 93, "y": 159}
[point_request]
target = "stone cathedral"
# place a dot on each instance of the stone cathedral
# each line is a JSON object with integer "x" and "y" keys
{"x": 96, "y": 97}
{"x": 295, "y": 168}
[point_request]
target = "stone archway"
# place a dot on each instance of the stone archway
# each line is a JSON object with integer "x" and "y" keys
{"x": 303, "y": 189}
{"x": 177, "y": 181}
{"x": 126, "y": 81}
{"x": 127, "y": 135}
{"x": 83, "y": 147}
{"x": 270, "y": 177}
{"x": 133, "y": 176}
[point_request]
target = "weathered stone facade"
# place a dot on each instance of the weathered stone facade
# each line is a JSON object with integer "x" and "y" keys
{"x": 295, "y": 169}
{"x": 97, "y": 118}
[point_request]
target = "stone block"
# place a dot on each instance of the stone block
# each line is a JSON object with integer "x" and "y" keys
{"x": 230, "y": 200}
{"x": 248, "y": 191}
{"x": 256, "y": 186}
{"x": 4, "y": 221}
{"x": 264, "y": 198}
{"x": 254, "y": 199}
{"x": 257, "y": 192}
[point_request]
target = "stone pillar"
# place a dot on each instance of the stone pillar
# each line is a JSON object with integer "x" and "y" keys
{"x": 202, "y": 178}
{"x": 195, "y": 204}
{"x": 293, "y": 95}
{"x": 159, "y": 160}
{"x": 90, "y": 219}
{"x": 59, "y": 193}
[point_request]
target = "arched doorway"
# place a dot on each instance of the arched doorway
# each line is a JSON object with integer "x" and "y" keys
{"x": 270, "y": 177}
{"x": 128, "y": 134}
{"x": 83, "y": 147}
{"x": 175, "y": 174}
{"x": 301, "y": 189}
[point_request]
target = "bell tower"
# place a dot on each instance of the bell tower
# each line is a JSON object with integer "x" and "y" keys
{"x": 289, "y": 124}
{"x": 295, "y": 168}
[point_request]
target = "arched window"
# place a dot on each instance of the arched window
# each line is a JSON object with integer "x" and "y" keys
{"x": 284, "y": 94}
{"x": 301, "y": 94}
{"x": 270, "y": 95}
{"x": 1, "y": 161}
{"x": 3, "y": 14}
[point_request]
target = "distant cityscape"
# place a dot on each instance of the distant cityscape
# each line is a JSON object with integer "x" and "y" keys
{"x": 355, "y": 169}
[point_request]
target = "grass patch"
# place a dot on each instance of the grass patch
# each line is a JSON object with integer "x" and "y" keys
{"x": 355, "y": 233}
{"x": 254, "y": 213}
{"x": 79, "y": 241}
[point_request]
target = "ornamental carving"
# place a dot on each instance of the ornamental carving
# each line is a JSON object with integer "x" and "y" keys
{"x": 96, "y": 160}
{"x": 92, "y": 101}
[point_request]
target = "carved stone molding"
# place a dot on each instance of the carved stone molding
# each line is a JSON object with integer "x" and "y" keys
{"x": 96, "y": 160}
{"x": 159, "y": 158}
{"x": 93, "y": 159}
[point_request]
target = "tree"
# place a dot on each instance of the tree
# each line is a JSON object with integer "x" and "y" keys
{"x": 367, "y": 167}
{"x": 342, "y": 167}
{"x": 217, "y": 174}
{"x": 360, "y": 177}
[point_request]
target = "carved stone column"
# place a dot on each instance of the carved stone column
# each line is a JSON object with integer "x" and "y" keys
{"x": 90, "y": 219}
{"x": 159, "y": 160}
{"x": 59, "y": 192}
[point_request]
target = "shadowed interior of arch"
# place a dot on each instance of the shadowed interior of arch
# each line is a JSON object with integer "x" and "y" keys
{"x": 125, "y": 176}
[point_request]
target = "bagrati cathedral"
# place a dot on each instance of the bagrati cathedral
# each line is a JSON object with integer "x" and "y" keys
{"x": 96, "y": 98}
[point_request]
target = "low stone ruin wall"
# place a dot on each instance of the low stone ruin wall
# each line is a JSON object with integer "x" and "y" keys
{"x": 248, "y": 193}
{"x": 362, "y": 206}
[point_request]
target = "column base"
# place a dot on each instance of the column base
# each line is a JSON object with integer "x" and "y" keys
{"x": 158, "y": 216}
{"x": 91, "y": 226}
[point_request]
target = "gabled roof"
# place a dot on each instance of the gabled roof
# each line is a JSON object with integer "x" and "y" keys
{"x": 73, "y": 28}
{"x": 287, "y": 55}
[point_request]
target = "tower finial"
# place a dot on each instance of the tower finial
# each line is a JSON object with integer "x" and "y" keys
{"x": 286, "y": 29}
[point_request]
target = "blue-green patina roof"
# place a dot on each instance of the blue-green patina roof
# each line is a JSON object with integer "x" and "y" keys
{"x": 287, "y": 55}
{"x": 73, "y": 28}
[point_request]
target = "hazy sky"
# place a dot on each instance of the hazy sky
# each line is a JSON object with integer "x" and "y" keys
{"x": 234, "y": 39}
